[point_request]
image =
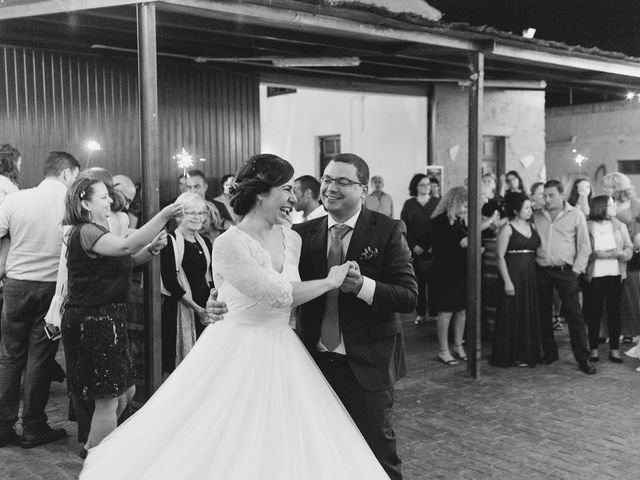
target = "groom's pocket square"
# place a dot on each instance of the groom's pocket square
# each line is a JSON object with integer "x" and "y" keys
{"x": 369, "y": 253}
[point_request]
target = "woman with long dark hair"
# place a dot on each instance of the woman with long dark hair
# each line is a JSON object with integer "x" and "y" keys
{"x": 580, "y": 195}
{"x": 516, "y": 338}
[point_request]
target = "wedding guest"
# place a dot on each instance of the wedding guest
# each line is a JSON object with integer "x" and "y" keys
{"x": 214, "y": 224}
{"x": 416, "y": 215}
{"x": 537, "y": 196}
{"x": 492, "y": 207}
{"x": 378, "y": 200}
{"x": 10, "y": 164}
{"x": 619, "y": 186}
{"x": 612, "y": 249}
{"x": 94, "y": 333}
{"x": 32, "y": 218}
{"x": 514, "y": 183}
{"x": 306, "y": 189}
{"x": 516, "y": 338}
{"x": 449, "y": 288}
{"x": 561, "y": 257}
{"x": 580, "y": 195}
{"x": 125, "y": 193}
{"x": 186, "y": 280}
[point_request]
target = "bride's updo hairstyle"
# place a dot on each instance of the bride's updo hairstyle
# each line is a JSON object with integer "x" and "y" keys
{"x": 257, "y": 175}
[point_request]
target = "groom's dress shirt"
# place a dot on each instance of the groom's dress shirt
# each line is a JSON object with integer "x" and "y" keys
{"x": 368, "y": 288}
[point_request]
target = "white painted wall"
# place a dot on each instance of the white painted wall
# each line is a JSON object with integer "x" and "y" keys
{"x": 605, "y": 132}
{"x": 517, "y": 115}
{"x": 388, "y": 131}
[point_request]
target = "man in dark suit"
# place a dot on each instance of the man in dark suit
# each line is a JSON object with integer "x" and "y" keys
{"x": 361, "y": 352}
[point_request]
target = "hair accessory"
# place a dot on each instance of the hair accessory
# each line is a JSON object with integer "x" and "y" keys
{"x": 233, "y": 186}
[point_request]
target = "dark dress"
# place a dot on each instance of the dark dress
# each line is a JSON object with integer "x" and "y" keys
{"x": 194, "y": 266}
{"x": 449, "y": 274}
{"x": 417, "y": 218}
{"x": 516, "y": 334}
{"x": 94, "y": 332}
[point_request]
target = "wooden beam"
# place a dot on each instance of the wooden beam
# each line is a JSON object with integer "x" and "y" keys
{"x": 476, "y": 93}
{"x": 564, "y": 59}
{"x": 292, "y": 18}
{"x": 49, "y": 7}
{"x": 292, "y": 80}
{"x": 150, "y": 167}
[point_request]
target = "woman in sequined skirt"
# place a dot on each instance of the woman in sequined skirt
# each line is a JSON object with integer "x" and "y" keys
{"x": 99, "y": 366}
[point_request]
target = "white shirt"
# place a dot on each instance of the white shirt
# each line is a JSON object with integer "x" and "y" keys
{"x": 6, "y": 187}
{"x": 604, "y": 239}
{"x": 368, "y": 288}
{"x": 33, "y": 219}
{"x": 317, "y": 213}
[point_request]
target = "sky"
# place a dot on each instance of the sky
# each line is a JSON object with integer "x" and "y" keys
{"x": 607, "y": 24}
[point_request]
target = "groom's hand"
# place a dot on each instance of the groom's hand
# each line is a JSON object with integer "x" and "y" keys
{"x": 353, "y": 281}
{"x": 215, "y": 309}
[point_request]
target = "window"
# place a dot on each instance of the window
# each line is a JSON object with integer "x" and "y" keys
{"x": 329, "y": 146}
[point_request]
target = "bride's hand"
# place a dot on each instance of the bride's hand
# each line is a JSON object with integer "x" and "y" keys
{"x": 337, "y": 274}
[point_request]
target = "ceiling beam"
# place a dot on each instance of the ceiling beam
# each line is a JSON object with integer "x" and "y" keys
{"x": 326, "y": 83}
{"x": 291, "y": 18}
{"x": 564, "y": 59}
{"x": 50, "y": 7}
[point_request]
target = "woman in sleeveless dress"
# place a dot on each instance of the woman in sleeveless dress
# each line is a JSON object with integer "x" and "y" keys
{"x": 247, "y": 402}
{"x": 516, "y": 335}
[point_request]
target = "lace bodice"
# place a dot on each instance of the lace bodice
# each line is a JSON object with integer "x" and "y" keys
{"x": 247, "y": 282}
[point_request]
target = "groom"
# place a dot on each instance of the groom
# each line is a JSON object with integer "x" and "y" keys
{"x": 354, "y": 335}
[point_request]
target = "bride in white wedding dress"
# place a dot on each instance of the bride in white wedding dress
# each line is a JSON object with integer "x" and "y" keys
{"x": 248, "y": 402}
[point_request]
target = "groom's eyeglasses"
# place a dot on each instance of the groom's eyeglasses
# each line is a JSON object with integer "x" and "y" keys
{"x": 340, "y": 182}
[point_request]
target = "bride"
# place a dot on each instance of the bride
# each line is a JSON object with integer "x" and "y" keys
{"x": 248, "y": 402}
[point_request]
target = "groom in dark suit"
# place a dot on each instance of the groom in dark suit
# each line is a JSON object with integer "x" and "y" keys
{"x": 354, "y": 334}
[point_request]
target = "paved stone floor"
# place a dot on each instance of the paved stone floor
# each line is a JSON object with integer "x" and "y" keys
{"x": 551, "y": 422}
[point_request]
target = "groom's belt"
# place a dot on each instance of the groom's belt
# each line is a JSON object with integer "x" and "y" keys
{"x": 332, "y": 356}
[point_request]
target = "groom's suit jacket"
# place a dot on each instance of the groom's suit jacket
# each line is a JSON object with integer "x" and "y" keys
{"x": 372, "y": 333}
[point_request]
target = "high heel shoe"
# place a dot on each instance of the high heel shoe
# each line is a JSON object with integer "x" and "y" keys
{"x": 458, "y": 351}
{"x": 447, "y": 359}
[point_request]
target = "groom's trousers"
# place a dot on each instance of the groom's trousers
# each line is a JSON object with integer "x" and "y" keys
{"x": 371, "y": 411}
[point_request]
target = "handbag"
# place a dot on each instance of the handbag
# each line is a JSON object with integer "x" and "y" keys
{"x": 56, "y": 309}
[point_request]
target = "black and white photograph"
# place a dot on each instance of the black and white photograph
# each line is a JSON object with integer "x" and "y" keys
{"x": 319, "y": 239}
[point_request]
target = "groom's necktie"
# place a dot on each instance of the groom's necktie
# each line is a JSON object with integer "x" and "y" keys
{"x": 330, "y": 331}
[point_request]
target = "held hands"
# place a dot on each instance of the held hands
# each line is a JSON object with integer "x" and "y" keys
{"x": 464, "y": 243}
{"x": 606, "y": 254}
{"x": 353, "y": 281}
{"x": 215, "y": 310}
{"x": 337, "y": 274}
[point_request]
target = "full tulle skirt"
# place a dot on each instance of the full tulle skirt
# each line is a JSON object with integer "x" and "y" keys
{"x": 248, "y": 402}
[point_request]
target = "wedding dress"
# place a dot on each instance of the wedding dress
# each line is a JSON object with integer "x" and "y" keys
{"x": 247, "y": 402}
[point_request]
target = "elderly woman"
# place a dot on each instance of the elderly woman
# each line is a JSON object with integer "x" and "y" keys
{"x": 99, "y": 365}
{"x": 618, "y": 186}
{"x": 450, "y": 271}
{"x": 186, "y": 280}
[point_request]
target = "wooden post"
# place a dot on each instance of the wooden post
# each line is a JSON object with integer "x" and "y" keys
{"x": 431, "y": 125}
{"x": 476, "y": 91}
{"x": 149, "y": 158}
